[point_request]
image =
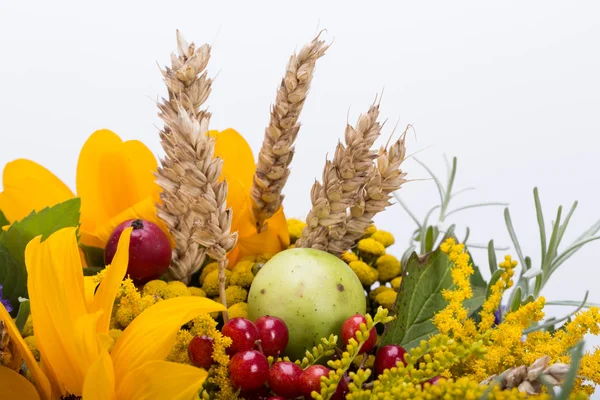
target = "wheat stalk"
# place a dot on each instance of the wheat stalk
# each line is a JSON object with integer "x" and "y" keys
{"x": 343, "y": 179}
{"x": 193, "y": 200}
{"x": 277, "y": 151}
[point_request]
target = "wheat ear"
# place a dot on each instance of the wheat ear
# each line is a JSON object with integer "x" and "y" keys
{"x": 277, "y": 151}
{"x": 193, "y": 201}
{"x": 343, "y": 179}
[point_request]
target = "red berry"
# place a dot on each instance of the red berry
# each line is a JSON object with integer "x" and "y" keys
{"x": 276, "y": 398}
{"x": 149, "y": 250}
{"x": 349, "y": 328}
{"x": 260, "y": 394}
{"x": 284, "y": 377}
{"x": 341, "y": 391}
{"x": 200, "y": 351}
{"x": 243, "y": 334}
{"x": 434, "y": 380}
{"x": 387, "y": 357}
{"x": 248, "y": 370}
{"x": 310, "y": 380}
{"x": 273, "y": 334}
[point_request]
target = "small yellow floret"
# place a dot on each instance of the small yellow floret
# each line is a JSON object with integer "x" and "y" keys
{"x": 31, "y": 343}
{"x": 370, "y": 230}
{"x": 366, "y": 274}
{"x": 375, "y": 292}
{"x": 208, "y": 268}
{"x": 154, "y": 288}
{"x": 371, "y": 247}
{"x": 211, "y": 283}
{"x": 179, "y": 351}
{"x": 238, "y": 310}
{"x": 349, "y": 257}
{"x": 384, "y": 237}
{"x": 175, "y": 289}
{"x": 196, "y": 291}
{"x": 242, "y": 274}
{"x": 295, "y": 227}
{"x": 396, "y": 283}
{"x": 235, "y": 294}
{"x": 388, "y": 267}
{"x": 28, "y": 328}
{"x": 386, "y": 299}
{"x": 114, "y": 335}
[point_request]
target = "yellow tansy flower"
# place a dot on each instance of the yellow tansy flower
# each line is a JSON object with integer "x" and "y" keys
{"x": 396, "y": 282}
{"x": 211, "y": 283}
{"x": 154, "y": 288}
{"x": 208, "y": 268}
{"x": 235, "y": 294}
{"x": 195, "y": 291}
{"x": 175, "y": 289}
{"x": 349, "y": 257}
{"x": 383, "y": 237}
{"x": 295, "y": 227}
{"x": 386, "y": 299}
{"x": 371, "y": 247}
{"x": 367, "y": 275}
{"x": 388, "y": 267}
{"x": 238, "y": 310}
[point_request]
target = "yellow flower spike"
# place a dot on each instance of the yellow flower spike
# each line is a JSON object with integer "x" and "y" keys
{"x": 28, "y": 186}
{"x": 152, "y": 334}
{"x": 99, "y": 382}
{"x": 107, "y": 291}
{"x": 162, "y": 380}
{"x": 17, "y": 385}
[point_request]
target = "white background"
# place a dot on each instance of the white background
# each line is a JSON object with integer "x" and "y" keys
{"x": 511, "y": 88}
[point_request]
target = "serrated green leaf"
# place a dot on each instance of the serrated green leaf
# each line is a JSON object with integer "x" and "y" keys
{"x": 13, "y": 277}
{"x": 419, "y": 298}
{"x": 22, "y": 315}
{"x": 94, "y": 256}
{"x": 44, "y": 222}
{"x": 13, "y": 274}
{"x": 3, "y": 219}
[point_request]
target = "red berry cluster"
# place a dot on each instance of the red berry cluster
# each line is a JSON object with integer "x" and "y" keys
{"x": 252, "y": 343}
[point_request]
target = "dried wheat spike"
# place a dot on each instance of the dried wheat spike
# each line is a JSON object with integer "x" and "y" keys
{"x": 343, "y": 179}
{"x": 277, "y": 150}
{"x": 529, "y": 379}
{"x": 193, "y": 201}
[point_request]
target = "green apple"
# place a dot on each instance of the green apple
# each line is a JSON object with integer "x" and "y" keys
{"x": 313, "y": 291}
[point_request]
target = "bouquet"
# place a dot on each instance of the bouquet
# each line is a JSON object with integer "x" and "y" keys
{"x": 183, "y": 278}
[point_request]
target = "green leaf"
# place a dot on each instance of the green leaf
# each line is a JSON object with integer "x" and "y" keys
{"x": 94, "y": 256}
{"x": 3, "y": 220}
{"x": 493, "y": 280}
{"x": 516, "y": 301}
{"x": 569, "y": 384}
{"x": 24, "y": 309}
{"x": 419, "y": 298}
{"x": 492, "y": 257}
{"x": 13, "y": 274}
{"x": 476, "y": 301}
{"x": 45, "y": 223}
{"x": 13, "y": 278}
{"x": 540, "y": 219}
{"x": 429, "y": 239}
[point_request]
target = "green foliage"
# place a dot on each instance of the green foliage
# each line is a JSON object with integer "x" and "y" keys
{"x": 3, "y": 220}
{"x": 24, "y": 309}
{"x": 13, "y": 274}
{"x": 94, "y": 256}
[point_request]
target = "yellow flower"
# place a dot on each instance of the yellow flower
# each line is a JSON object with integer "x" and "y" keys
{"x": 175, "y": 289}
{"x": 386, "y": 299}
{"x": 115, "y": 182}
{"x": 383, "y": 237}
{"x": 492, "y": 303}
{"x": 388, "y": 267}
{"x": 295, "y": 227}
{"x": 208, "y": 268}
{"x": 373, "y": 294}
{"x": 195, "y": 291}
{"x": 349, "y": 257}
{"x": 242, "y": 275}
{"x": 366, "y": 274}
{"x": 370, "y": 230}
{"x": 211, "y": 283}
{"x": 235, "y": 294}
{"x": 238, "y": 310}
{"x": 396, "y": 282}
{"x": 31, "y": 343}
{"x": 154, "y": 288}
{"x": 71, "y": 325}
{"x": 371, "y": 247}
{"x": 238, "y": 169}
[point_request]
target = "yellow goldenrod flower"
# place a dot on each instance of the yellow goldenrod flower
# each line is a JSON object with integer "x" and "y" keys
{"x": 367, "y": 275}
{"x": 72, "y": 332}
{"x": 388, "y": 267}
{"x": 179, "y": 351}
{"x": 295, "y": 227}
{"x": 31, "y": 343}
{"x": 492, "y": 303}
{"x": 115, "y": 182}
{"x": 396, "y": 282}
{"x": 371, "y": 247}
{"x": 383, "y": 237}
{"x": 238, "y": 310}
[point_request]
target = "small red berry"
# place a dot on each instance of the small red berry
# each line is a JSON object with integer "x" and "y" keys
{"x": 261, "y": 394}
{"x": 276, "y": 398}
{"x": 310, "y": 380}
{"x": 387, "y": 357}
{"x": 149, "y": 250}
{"x": 351, "y": 326}
{"x": 273, "y": 334}
{"x": 243, "y": 334}
{"x": 248, "y": 370}
{"x": 341, "y": 391}
{"x": 284, "y": 377}
{"x": 200, "y": 351}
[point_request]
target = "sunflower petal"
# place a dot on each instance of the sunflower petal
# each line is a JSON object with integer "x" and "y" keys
{"x": 28, "y": 186}
{"x": 161, "y": 380}
{"x": 107, "y": 291}
{"x": 55, "y": 282}
{"x": 43, "y": 384}
{"x": 152, "y": 334}
{"x": 145, "y": 209}
{"x": 112, "y": 176}
{"x": 99, "y": 381}
{"x": 17, "y": 385}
